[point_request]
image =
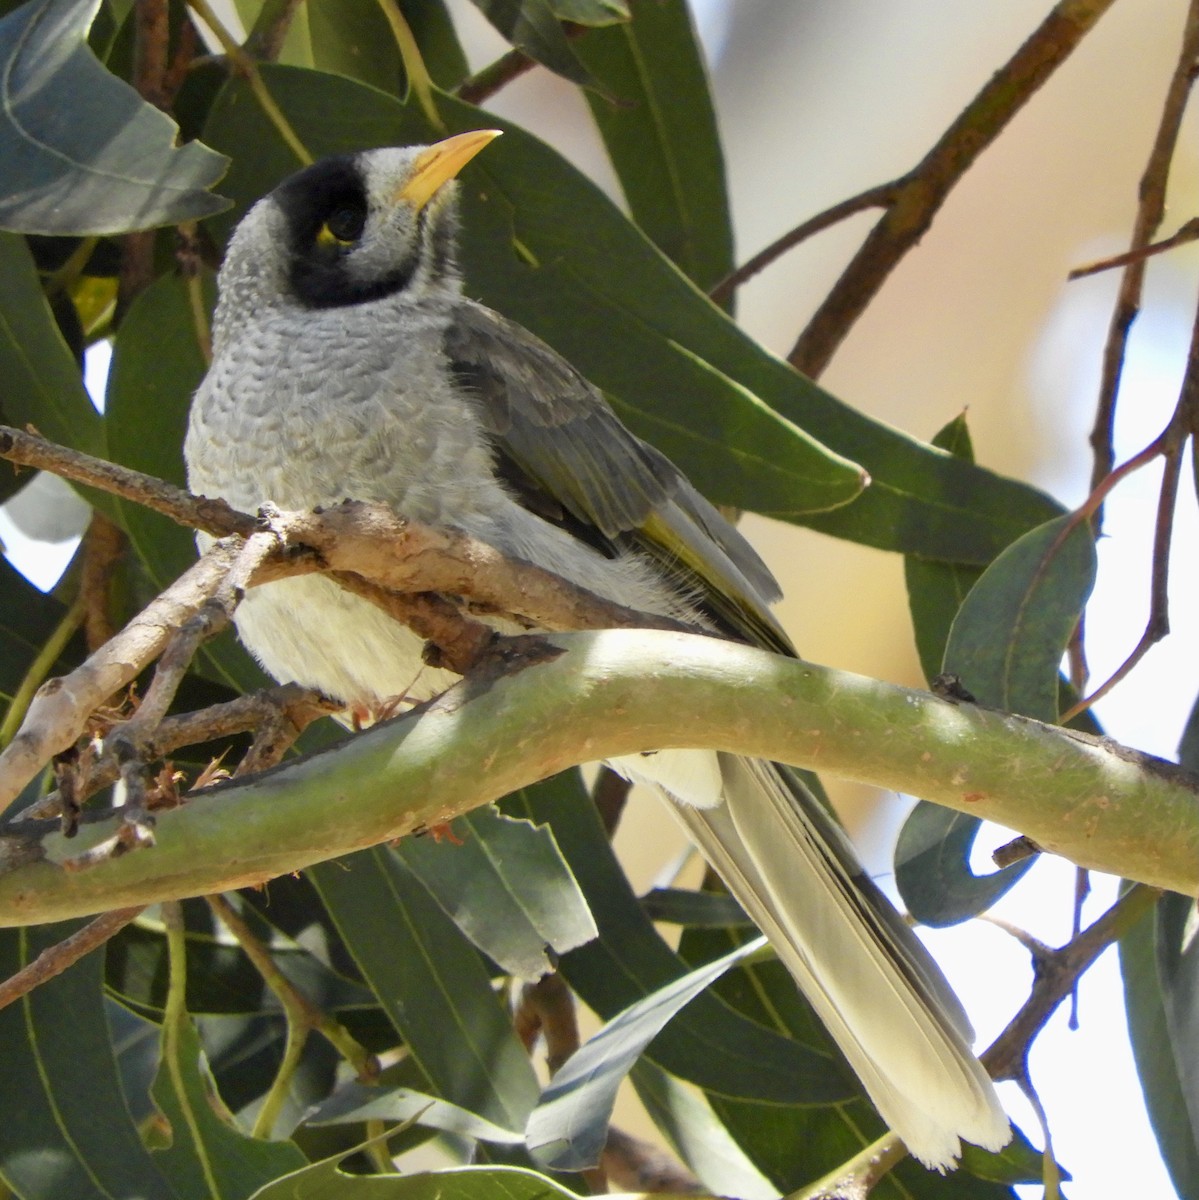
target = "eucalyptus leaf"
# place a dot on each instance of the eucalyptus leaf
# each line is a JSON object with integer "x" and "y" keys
{"x": 1008, "y": 638}
{"x": 661, "y": 135}
{"x": 568, "y": 1128}
{"x": 534, "y": 27}
{"x": 504, "y": 883}
{"x": 53, "y": 1087}
{"x": 83, "y": 152}
{"x": 1155, "y": 1053}
{"x": 325, "y": 1181}
{"x": 207, "y": 1154}
{"x": 27, "y": 618}
{"x": 42, "y": 383}
{"x": 354, "y": 1102}
{"x": 1177, "y": 951}
{"x": 431, "y": 983}
{"x": 932, "y": 867}
{"x": 709, "y": 1043}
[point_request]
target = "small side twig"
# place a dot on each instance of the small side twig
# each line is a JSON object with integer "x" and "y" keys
{"x": 103, "y": 545}
{"x": 1054, "y": 976}
{"x": 58, "y": 958}
{"x": 879, "y": 196}
{"x": 1150, "y": 211}
{"x": 302, "y": 1016}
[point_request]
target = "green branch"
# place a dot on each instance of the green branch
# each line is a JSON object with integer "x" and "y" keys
{"x": 620, "y": 692}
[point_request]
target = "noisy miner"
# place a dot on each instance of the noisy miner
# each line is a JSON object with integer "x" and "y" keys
{"x": 348, "y": 363}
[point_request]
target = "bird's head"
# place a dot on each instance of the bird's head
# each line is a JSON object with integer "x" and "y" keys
{"x": 356, "y": 227}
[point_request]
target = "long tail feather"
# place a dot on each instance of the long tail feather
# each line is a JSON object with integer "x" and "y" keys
{"x": 872, "y": 983}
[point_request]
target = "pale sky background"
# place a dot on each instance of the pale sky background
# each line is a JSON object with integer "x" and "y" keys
{"x": 817, "y": 100}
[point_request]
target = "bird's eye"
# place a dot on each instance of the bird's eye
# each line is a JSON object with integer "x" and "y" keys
{"x": 343, "y": 227}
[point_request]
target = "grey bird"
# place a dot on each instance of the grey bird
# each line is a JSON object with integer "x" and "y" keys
{"x": 348, "y": 363}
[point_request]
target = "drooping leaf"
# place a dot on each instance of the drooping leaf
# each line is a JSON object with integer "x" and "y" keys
{"x": 1007, "y": 641}
{"x": 27, "y": 618}
{"x": 324, "y": 1181}
{"x": 506, "y": 887}
{"x": 83, "y": 152}
{"x": 432, "y": 984}
{"x": 932, "y": 867}
{"x": 698, "y": 910}
{"x": 221, "y": 981}
{"x": 936, "y": 589}
{"x": 709, "y": 1043}
{"x": 208, "y": 1156}
{"x": 42, "y": 383}
{"x": 52, "y": 1086}
{"x": 1177, "y": 952}
{"x": 568, "y": 1128}
{"x": 686, "y": 1120}
{"x": 533, "y": 26}
{"x": 1155, "y": 1053}
{"x": 355, "y": 1102}
{"x": 661, "y": 135}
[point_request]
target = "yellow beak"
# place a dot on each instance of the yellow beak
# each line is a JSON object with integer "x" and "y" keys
{"x": 439, "y": 164}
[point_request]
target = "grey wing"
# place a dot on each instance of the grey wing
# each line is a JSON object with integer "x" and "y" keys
{"x": 569, "y": 458}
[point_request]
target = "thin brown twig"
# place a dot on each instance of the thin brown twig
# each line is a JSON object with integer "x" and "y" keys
{"x": 103, "y": 545}
{"x": 278, "y": 715}
{"x": 485, "y": 83}
{"x": 56, "y": 959}
{"x": 922, "y": 192}
{"x": 270, "y": 29}
{"x": 1188, "y": 232}
{"x": 198, "y": 512}
{"x": 1054, "y": 975}
{"x": 1150, "y": 211}
{"x": 1169, "y": 445}
{"x": 879, "y": 196}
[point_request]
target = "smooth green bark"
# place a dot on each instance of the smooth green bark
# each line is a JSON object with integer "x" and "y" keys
{"x": 619, "y": 692}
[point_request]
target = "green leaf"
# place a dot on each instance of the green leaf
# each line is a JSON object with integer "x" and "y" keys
{"x": 42, "y": 384}
{"x": 687, "y": 1122}
{"x": 661, "y": 135}
{"x": 57, "y": 1078}
{"x": 932, "y": 867}
{"x": 27, "y": 618}
{"x": 936, "y": 589}
{"x": 109, "y": 167}
{"x": 532, "y": 26}
{"x": 709, "y": 1044}
{"x": 591, "y": 12}
{"x": 741, "y": 452}
{"x": 1156, "y": 1055}
{"x": 220, "y": 978}
{"x": 323, "y": 1181}
{"x": 355, "y": 1102}
{"x": 698, "y": 910}
{"x": 1177, "y": 952}
{"x": 431, "y": 983}
{"x": 1007, "y": 641}
{"x": 506, "y": 887}
{"x": 208, "y": 1156}
{"x": 157, "y": 364}
{"x": 568, "y": 1128}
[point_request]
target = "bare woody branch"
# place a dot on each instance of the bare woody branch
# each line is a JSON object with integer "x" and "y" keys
{"x": 920, "y": 194}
